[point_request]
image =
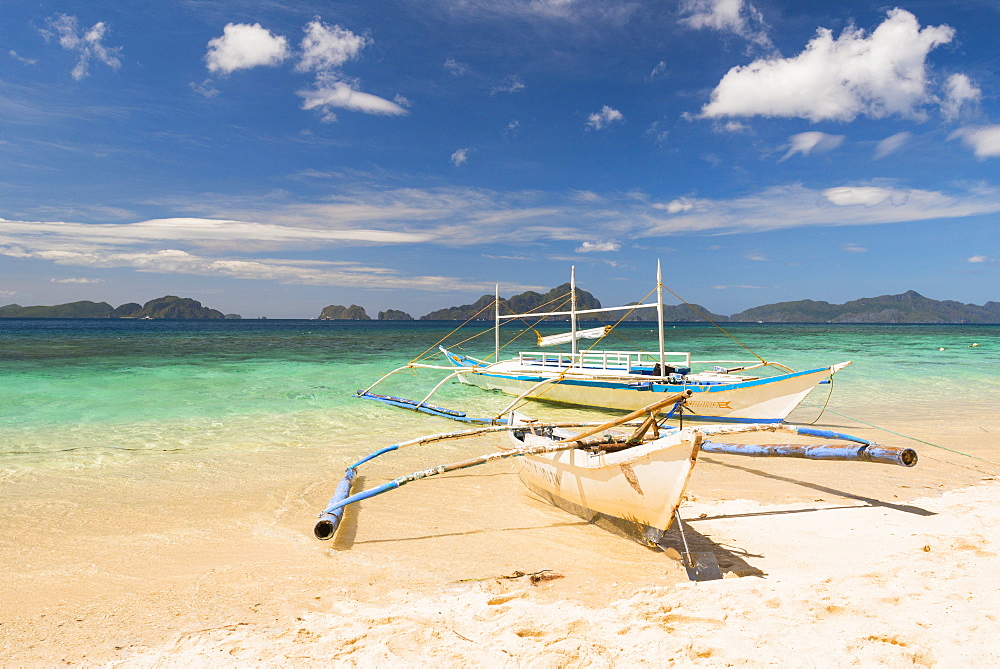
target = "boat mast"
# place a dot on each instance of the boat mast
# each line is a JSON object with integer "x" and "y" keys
{"x": 659, "y": 313}
{"x": 572, "y": 306}
{"x": 496, "y": 326}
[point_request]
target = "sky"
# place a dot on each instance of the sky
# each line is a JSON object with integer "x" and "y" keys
{"x": 271, "y": 158}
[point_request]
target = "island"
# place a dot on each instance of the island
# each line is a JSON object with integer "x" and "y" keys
{"x": 168, "y": 306}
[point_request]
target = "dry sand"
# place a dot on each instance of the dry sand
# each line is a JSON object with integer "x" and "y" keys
{"x": 213, "y": 564}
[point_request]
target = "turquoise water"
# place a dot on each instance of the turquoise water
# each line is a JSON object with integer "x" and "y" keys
{"x": 92, "y": 393}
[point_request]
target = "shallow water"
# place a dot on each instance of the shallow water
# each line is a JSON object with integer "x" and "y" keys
{"x": 91, "y": 393}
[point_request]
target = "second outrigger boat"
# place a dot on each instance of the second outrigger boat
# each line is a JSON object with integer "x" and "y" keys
{"x": 722, "y": 390}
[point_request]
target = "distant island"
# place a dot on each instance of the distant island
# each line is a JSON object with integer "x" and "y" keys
{"x": 908, "y": 307}
{"x": 168, "y": 306}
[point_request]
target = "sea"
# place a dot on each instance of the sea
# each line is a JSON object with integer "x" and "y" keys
{"x": 88, "y": 394}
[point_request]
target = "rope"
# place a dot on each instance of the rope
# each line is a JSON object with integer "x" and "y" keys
{"x": 721, "y": 329}
{"x": 433, "y": 346}
{"x": 825, "y": 404}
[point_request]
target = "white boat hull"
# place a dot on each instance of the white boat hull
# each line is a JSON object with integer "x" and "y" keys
{"x": 633, "y": 492}
{"x": 768, "y": 400}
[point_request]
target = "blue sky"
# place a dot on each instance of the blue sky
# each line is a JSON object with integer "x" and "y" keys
{"x": 270, "y": 160}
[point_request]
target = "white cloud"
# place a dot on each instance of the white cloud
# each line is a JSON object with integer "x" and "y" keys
{"x": 978, "y": 259}
{"x": 333, "y": 93}
{"x": 402, "y": 101}
{"x": 677, "y": 206}
{"x": 867, "y": 196}
{"x": 591, "y": 247}
{"x": 326, "y": 47}
{"x": 853, "y": 248}
{"x": 205, "y": 89}
{"x": 512, "y": 129}
{"x": 16, "y": 56}
{"x": 756, "y": 256}
{"x": 460, "y": 157}
{"x": 891, "y": 144}
{"x": 731, "y": 126}
{"x": 794, "y": 206}
{"x": 734, "y": 16}
{"x": 87, "y": 44}
{"x": 959, "y": 91}
{"x": 659, "y": 70}
{"x": 455, "y": 67}
{"x": 809, "y": 142}
{"x": 876, "y": 75}
{"x": 657, "y": 133}
{"x": 511, "y": 84}
{"x": 604, "y": 118}
{"x": 323, "y": 50}
{"x": 75, "y": 280}
{"x": 243, "y": 46}
{"x": 984, "y": 140}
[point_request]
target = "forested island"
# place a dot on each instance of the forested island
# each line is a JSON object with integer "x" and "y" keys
{"x": 908, "y": 307}
{"x": 168, "y": 306}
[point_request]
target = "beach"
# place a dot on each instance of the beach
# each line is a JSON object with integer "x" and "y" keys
{"x": 185, "y": 555}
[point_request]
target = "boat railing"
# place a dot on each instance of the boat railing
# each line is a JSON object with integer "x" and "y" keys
{"x": 621, "y": 361}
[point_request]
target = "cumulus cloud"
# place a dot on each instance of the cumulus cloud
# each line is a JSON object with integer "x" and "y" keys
{"x": 984, "y": 140}
{"x": 591, "y": 247}
{"x": 511, "y": 84}
{"x": 326, "y": 47}
{"x": 604, "y": 118}
{"x": 876, "y": 75}
{"x": 959, "y": 91}
{"x": 733, "y": 16}
{"x": 243, "y": 46}
{"x": 978, "y": 259}
{"x": 460, "y": 157}
{"x": 809, "y": 142}
{"x": 87, "y": 44}
{"x": 891, "y": 144}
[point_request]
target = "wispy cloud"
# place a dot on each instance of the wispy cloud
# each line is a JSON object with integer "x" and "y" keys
{"x": 460, "y": 157}
{"x": 853, "y": 248}
{"x": 456, "y": 68}
{"x": 604, "y": 118}
{"x": 732, "y": 16}
{"x": 891, "y": 144}
{"x": 877, "y": 75}
{"x": 87, "y": 44}
{"x": 18, "y": 57}
{"x": 77, "y": 280}
{"x": 511, "y": 84}
{"x": 808, "y": 142}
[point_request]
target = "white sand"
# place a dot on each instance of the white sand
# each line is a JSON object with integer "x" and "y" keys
{"x": 213, "y": 564}
{"x": 861, "y": 585}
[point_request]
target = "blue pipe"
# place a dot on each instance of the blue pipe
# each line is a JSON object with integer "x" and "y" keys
{"x": 905, "y": 457}
{"x": 330, "y": 519}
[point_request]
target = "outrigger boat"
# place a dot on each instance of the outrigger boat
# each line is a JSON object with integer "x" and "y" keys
{"x": 631, "y": 484}
{"x": 737, "y": 391}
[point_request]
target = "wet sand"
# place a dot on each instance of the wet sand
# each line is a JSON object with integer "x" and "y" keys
{"x": 212, "y": 561}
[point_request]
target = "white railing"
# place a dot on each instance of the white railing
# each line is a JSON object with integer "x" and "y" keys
{"x": 621, "y": 361}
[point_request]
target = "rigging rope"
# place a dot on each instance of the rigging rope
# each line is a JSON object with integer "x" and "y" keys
{"x": 721, "y": 329}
